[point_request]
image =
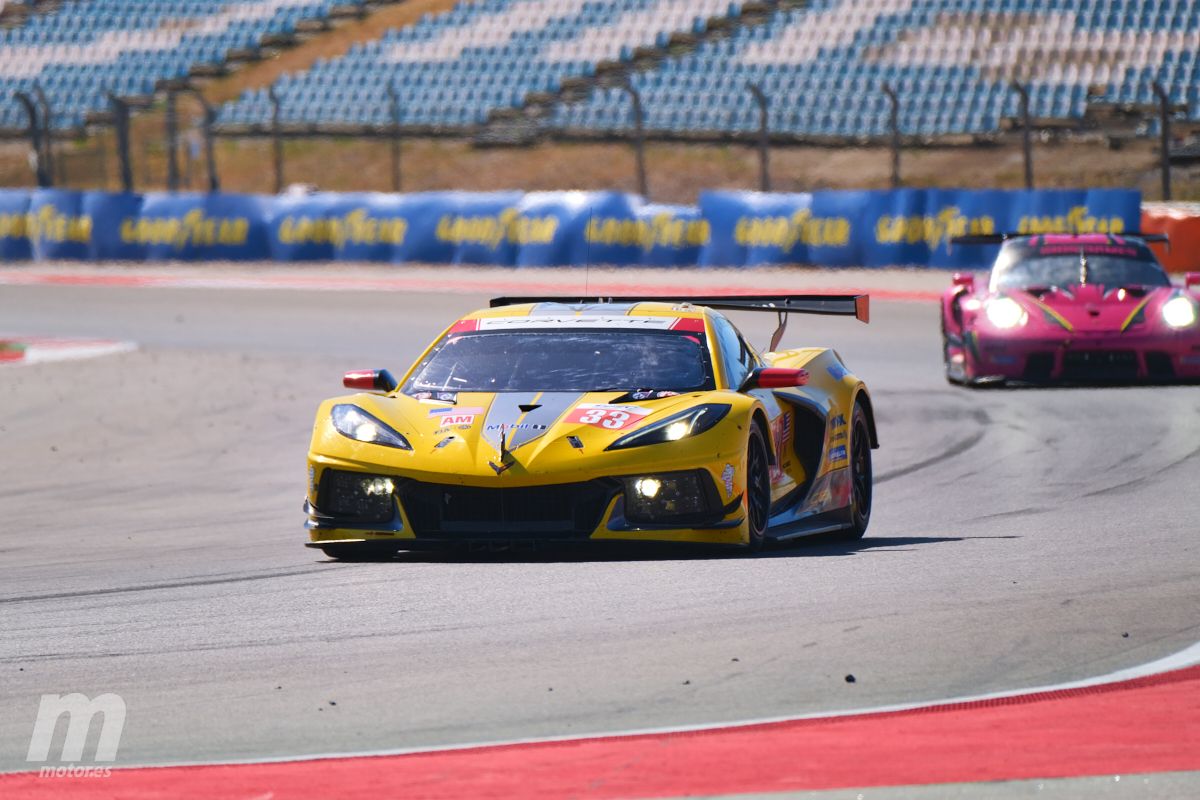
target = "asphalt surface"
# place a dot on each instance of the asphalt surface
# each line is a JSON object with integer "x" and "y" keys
{"x": 151, "y": 545}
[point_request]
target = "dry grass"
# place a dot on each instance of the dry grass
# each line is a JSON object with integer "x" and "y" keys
{"x": 677, "y": 173}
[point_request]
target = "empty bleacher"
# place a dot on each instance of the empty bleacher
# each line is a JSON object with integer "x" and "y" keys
{"x": 453, "y": 69}
{"x": 85, "y": 48}
{"x": 951, "y": 62}
{"x": 822, "y": 63}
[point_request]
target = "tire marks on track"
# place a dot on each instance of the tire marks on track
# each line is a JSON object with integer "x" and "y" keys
{"x": 153, "y": 587}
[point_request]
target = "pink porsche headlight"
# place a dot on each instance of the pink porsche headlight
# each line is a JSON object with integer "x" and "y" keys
{"x": 1004, "y": 312}
{"x": 1179, "y": 312}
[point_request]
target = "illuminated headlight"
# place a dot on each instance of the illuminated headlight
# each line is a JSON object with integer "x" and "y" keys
{"x": 1179, "y": 312}
{"x": 354, "y": 423}
{"x": 669, "y": 497}
{"x": 357, "y": 496}
{"x": 647, "y": 487}
{"x": 1004, "y": 313}
{"x": 675, "y": 427}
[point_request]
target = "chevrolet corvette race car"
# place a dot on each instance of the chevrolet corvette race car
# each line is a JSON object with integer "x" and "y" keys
{"x": 623, "y": 419}
{"x": 1075, "y": 308}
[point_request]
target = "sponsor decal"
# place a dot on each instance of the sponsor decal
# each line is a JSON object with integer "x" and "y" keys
{"x": 837, "y": 371}
{"x": 727, "y": 477}
{"x": 837, "y": 454}
{"x": 436, "y": 397}
{"x": 575, "y": 321}
{"x": 838, "y": 422}
{"x": 651, "y": 395}
{"x": 518, "y": 426}
{"x": 781, "y": 430}
{"x": 604, "y": 415}
{"x": 464, "y": 417}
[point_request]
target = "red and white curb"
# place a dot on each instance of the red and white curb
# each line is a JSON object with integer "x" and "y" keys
{"x": 1138, "y": 721}
{"x": 26, "y": 350}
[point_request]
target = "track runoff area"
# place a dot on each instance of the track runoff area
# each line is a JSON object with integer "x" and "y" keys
{"x": 1016, "y": 622}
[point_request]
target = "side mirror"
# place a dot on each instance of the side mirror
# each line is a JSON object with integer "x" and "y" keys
{"x": 1191, "y": 280}
{"x": 777, "y": 378}
{"x": 964, "y": 279}
{"x": 370, "y": 380}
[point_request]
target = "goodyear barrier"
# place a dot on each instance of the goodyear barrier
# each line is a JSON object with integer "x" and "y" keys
{"x": 726, "y": 229}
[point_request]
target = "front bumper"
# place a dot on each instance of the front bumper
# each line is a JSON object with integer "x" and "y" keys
{"x": 423, "y": 515}
{"x": 1100, "y": 358}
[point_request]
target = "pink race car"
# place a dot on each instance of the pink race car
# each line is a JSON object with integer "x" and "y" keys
{"x": 1071, "y": 308}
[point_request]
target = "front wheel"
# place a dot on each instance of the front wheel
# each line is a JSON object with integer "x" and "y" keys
{"x": 862, "y": 481}
{"x": 758, "y": 488}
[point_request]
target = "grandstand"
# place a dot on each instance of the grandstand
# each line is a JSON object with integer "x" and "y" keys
{"x": 453, "y": 70}
{"x": 82, "y": 49}
{"x": 558, "y": 68}
{"x": 951, "y": 62}
{"x": 822, "y": 65}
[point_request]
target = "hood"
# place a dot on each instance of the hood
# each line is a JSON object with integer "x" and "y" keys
{"x": 463, "y": 433}
{"x": 1092, "y": 308}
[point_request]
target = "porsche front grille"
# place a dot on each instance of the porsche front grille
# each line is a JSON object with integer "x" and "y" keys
{"x": 1099, "y": 365}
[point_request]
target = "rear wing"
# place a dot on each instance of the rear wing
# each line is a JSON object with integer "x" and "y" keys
{"x": 836, "y": 305}
{"x": 1001, "y": 238}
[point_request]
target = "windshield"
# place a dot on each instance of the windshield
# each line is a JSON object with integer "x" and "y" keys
{"x": 1065, "y": 270}
{"x": 558, "y": 361}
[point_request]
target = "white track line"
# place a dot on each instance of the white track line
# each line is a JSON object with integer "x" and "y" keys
{"x": 1187, "y": 657}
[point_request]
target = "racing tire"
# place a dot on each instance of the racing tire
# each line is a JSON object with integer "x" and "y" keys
{"x": 758, "y": 488}
{"x": 862, "y": 476}
{"x": 950, "y": 378}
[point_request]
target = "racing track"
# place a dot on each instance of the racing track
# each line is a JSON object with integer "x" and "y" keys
{"x": 151, "y": 542}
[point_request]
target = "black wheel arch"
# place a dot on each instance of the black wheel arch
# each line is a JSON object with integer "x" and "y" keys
{"x": 869, "y": 410}
{"x": 759, "y": 418}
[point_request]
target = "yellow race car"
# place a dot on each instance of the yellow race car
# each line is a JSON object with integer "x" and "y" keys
{"x": 551, "y": 420}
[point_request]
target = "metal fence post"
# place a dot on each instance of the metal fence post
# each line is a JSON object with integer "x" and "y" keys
{"x": 394, "y": 100}
{"x": 210, "y": 155}
{"x": 639, "y": 142}
{"x": 1026, "y": 132}
{"x": 894, "y": 124}
{"x": 121, "y": 121}
{"x": 1164, "y": 124}
{"x": 276, "y": 138}
{"x": 35, "y": 137}
{"x": 764, "y": 136}
{"x": 47, "y": 132}
{"x": 172, "y": 124}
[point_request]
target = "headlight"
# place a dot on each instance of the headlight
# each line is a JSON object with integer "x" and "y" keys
{"x": 354, "y": 423}
{"x": 675, "y": 427}
{"x": 1179, "y": 312}
{"x": 1004, "y": 312}
{"x": 667, "y": 497}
